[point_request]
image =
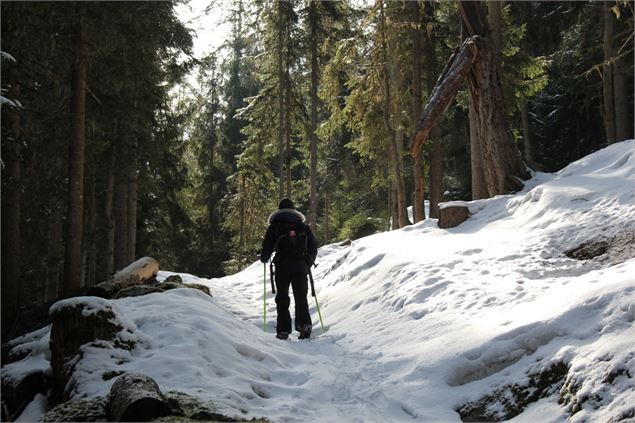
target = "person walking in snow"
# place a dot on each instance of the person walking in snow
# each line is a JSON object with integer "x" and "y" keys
{"x": 296, "y": 249}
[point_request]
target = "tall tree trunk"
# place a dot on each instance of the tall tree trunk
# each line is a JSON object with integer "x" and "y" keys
{"x": 436, "y": 158}
{"x": 109, "y": 218}
{"x": 503, "y": 167}
{"x": 607, "y": 74}
{"x": 72, "y": 283}
{"x": 287, "y": 128}
{"x": 418, "y": 212}
{"x": 623, "y": 129}
{"x": 479, "y": 189}
{"x": 133, "y": 184}
{"x": 241, "y": 235}
{"x": 11, "y": 216}
{"x": 281, "y": 98}
{"x": 494, "y": 9}
{"x": 90, "y": 217}
{"x": 394, "y": 207}
{"x": 395, "y": 148}
{"x": 121, "y": 205}
{"x": 327, "y": 235}
{"x": 313, "y": 204}
{"x": 55, "y": 253}
{"x": 527, "y": 146}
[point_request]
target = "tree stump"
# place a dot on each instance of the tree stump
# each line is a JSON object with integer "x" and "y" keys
{"x": 135, "y": 397}
{"x": 141, "y": 271}
{"x": 452, "y": 214}
{"x": 78, "y": 321}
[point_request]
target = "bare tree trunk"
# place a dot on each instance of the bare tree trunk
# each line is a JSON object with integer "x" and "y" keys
{"x": 494, "y": 8}
{"x": 281, "y": 97}
{"x": 394, "y": 208}
{"x": 90, "y": 248}
{"x": 55, "y": 253}
{"x": 607, "y": 74}
{"x": 241, "y": 235}
{"x": 313, "y": 204}
{"x": 623, "y": 129}
{"x": 436, "y": 158}
{"x": 109, "y": 218}
{"x": 121, "y": 206}
{"x": 395, "y": 149}
{"x": 476, "y": 158}
{"x": 287, "y": 127}
{"x": 327, "y": 235}
{"x": 133, "y": 183}
{"x": 11, "y": 216}
{"x": 528, "y": 147}
{"x": 418, "y": 212}
{"x": 72, "y": 285}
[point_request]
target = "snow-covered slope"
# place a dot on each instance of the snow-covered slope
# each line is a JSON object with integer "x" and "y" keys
{"x": 423, "y": 321}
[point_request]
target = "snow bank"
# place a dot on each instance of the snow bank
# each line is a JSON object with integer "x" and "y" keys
{"x": 421, "y": 321}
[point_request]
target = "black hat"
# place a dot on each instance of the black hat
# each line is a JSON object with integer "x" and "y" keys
{"x": 286, "y": 204}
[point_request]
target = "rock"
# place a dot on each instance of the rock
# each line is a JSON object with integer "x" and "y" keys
{"x": 588, "y": 250}
{"x": 173, "y": 278}
{"x": 137, "y": 291}
{"x": 186, "y": 407}
{"x": 136, "y": 397}
{"x": 345, "y": 243}
{"x": 78, "y": 411}
{"x": 16, "y": 395}
{"x": 166, "y": 286}
{"x": 79, "y": 321}
{"x": 452, "y": 214}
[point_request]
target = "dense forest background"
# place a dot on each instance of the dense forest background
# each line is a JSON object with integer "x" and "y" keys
{"x": 110, "y": 153}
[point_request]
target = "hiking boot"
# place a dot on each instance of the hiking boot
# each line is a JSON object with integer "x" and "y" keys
{"x": 305, "y": 331}
{"x": 282, "y": 335}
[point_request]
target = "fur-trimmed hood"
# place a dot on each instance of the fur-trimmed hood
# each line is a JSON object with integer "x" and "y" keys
{"x": 293, "y": 212}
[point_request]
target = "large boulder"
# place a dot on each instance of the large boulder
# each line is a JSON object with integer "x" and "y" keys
{"x": 80, "y": 321}
{"x": 78, "y": 411}
{"x": 452, "y": 214}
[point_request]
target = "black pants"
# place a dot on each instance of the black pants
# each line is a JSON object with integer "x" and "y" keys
{"x": 298, "y": 282}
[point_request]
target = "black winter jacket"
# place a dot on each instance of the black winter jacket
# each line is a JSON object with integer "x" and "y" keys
{"x": 288, "y": 264}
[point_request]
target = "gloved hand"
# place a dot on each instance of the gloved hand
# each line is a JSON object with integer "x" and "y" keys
{"x": 264, "y": 258}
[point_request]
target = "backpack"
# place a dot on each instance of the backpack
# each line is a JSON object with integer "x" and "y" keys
{"x": 291, "y": 240}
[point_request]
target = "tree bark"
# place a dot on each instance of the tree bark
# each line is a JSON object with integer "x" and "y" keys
{"x": 55, "y": 253}
{"x": 436, "y": 158}
{"x": 281, "y": 97}
{"x": 479, "y": 189}
{"x": 109, "y": 218}
{"x": 11, "y": 216}
{"x": 607, "y": 73}
{"x": 623, "y": 129}
{"x": 121, "y": 207}
{"x": 133, "y": 184}
{"x": 72, "y": 284}
{"x": 313, "y": 202}
{"x": 527, "y": 146}
{"x": 395, "y": 148}
{"x": 135, "y": 397}
{"x": 287, "y": 126}
{"x": 418, "y": 212}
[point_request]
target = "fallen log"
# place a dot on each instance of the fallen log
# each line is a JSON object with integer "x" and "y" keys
{"x": 135, "y": 397}
{"x": 141, "y": 271}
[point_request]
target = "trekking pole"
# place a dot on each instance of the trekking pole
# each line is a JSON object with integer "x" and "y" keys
{"x": 264, "y": 297}
{"x": 317, "y": 304}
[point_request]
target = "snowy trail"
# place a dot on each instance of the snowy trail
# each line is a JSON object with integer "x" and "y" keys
{"x": 353, "y": 377}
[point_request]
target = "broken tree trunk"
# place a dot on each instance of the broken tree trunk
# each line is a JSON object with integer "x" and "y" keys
{"x": 141, "y": 271}
{"x": 451, "y": 80}
{"x": 135, "y": 397}
{"x": 503, "y": 168}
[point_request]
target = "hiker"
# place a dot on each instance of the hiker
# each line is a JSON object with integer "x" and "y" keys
{"x": 296, "y": 249}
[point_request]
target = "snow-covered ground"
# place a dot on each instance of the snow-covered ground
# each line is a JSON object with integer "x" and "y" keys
{"x": 420, "y": 321}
